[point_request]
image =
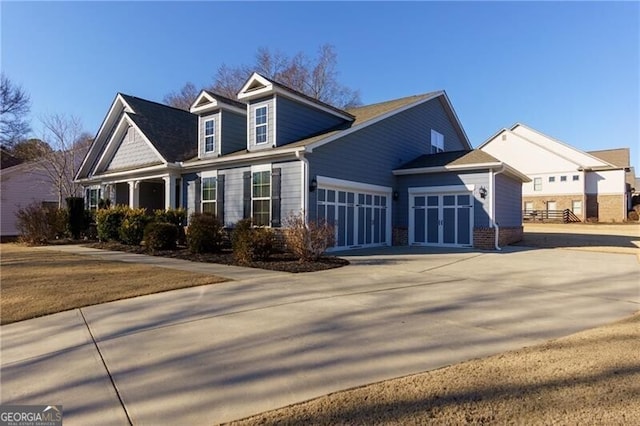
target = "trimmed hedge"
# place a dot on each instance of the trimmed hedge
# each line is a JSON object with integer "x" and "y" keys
{"x": 160, "y": 236}
{"x": 204, "y": 233}
{"x": 133, "y": 225}
{"x": 250, "y": 244}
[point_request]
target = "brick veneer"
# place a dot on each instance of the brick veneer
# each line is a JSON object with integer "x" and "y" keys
{"x": 400, "y": 237}
{"x": 485, "y": 238}
{"x": 607, "y": 208}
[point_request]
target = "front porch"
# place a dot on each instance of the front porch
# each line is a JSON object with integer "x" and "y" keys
{"x": 156, "y": 193}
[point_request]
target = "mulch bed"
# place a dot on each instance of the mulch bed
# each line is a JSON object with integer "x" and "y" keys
{"x": 284, "y": 262}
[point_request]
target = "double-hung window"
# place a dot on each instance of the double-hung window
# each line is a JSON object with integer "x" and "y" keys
{"x": 209, "y": 135}
{"x": 209, "y": 194}
{"x": 537, "y": 184}
{"x": 261, "y": 198}
{"x": 437, "y": 142}
{"x": 93, "y": 198}
{"x": 261, "y": 124}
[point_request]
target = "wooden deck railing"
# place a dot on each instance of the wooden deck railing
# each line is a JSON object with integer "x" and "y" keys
{"x": 564, "y": 216}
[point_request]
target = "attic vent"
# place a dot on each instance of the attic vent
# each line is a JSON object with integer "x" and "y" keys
{"x": 504, "y": 137}
{"x": 255, "y": 85}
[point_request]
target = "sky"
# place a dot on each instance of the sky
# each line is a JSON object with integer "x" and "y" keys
{"x": 568, "y": 69}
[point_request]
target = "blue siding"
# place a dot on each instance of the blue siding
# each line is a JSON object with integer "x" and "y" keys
{"x": 234, "y": 132}
{"x": 217, "y": 135}
{"x": 233, "y": 195}
{"x": 291, "y": 191}
{"x": 480, "y": 207}
{"x": 251, "y": 119}
{"x": 370, "y": 155}
{"x": 508, "y": 194}
{"x": 295, "y": 121}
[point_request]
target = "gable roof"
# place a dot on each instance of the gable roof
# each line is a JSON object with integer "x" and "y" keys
{"x": 619, "y": 157}
{"x": 8, "y": 160}
{"x": 457, "y": 160}
{"x": 172, "y": 131}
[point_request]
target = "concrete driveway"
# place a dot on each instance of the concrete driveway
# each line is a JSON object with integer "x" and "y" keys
{"x": 213, "y": 354}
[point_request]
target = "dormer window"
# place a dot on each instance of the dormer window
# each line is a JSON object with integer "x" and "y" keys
{"x": 209, "y": 135}
{"x": 261, "y": 124}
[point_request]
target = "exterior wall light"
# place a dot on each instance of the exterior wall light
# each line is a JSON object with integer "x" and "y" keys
{"x": 313, "y": 185}
{"x": 483, "y": 192}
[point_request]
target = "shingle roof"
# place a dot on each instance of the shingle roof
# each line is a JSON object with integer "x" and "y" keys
{"x": 8, "y": 160}
{"x": 618, "y": 157}
{"x": 450, "y": 158}
{"x": 226, "y": 100}
{"x": 172, "y": 131}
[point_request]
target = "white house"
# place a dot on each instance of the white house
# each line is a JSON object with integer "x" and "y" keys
{"x": 591, "y": 185}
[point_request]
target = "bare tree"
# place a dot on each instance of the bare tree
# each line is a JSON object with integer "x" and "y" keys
{"x": 70, "y": 144}
{"x": 183, "y": 98}
{"x": 316, "y": 78}
{"x": 14, "y": 107}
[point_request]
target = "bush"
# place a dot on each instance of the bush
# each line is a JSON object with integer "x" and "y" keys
{"x": 251, "y": 243}
{"x": 307, "y": 241}
{"x": 160, "y": 236}
{"x": 132, "y": 227}
{"x": 177, "y": 217}
{"x": 204, "y": 233}
{"x": 108, "y": 222}
{"x": 38, "y": 224}
{"x": 633, "y": 216}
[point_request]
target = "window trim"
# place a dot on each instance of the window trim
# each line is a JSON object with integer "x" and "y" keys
{"x": 563, "y": 178}
{"x": 264, "y": 125}
{"x": 213, "y": 202}
{"x": 575, "y": 178}
{"x": 212, "y": 135}
{"x": 262, "y": 198}
{"x": 98, "y": 192}
{"x": 552, "y": 179}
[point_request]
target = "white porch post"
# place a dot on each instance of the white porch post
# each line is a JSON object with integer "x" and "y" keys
{"x": 169, "y": 192}
{"x": 134, "y": 194}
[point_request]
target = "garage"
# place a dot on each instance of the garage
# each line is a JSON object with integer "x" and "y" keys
{"x": 441, "y": 216}
{"x": 360, "y": 213}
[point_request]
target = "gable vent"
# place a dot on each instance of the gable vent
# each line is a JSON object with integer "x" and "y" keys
{"x": 504, "y": 137}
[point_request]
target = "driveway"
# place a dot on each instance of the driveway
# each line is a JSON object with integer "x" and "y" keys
{"x": 213, "y": 354}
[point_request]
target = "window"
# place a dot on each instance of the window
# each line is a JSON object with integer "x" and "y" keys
{"x": 552, "y": 178}
{"x": 261, "y": 198}
{"x": 576, "y": 178}
{"x": 537, "y": 184}
{"x": 209, "y": 194}
{"x": 437, "y": 142}
{"x": 576, "y": 207}
{"x": 209, "y": 136}
{"x": 528, "y": 207}
{"x": 563, "y": 178}
{"x": 93, "y": 198}
{"x": 261, "y": 124}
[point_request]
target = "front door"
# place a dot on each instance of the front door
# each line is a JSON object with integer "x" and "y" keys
{"x": 441, "y": 219}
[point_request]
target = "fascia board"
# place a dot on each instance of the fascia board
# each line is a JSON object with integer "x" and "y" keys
{"x": 312, "y": 146}
{"x": 241, "y": 158}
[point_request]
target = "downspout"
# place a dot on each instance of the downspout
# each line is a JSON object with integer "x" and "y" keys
{"x": 493, "y": 223}
{"x": 304, "y": 177}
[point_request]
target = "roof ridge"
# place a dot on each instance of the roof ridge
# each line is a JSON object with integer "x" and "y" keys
{"x": 153, "y": 102}
{"x": 404, "y": 98}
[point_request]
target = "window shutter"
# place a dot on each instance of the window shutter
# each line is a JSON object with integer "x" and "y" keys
{"x": 220, "y": 200}
{"x": 275, "y": 197}
{"x": 246, "y": 195}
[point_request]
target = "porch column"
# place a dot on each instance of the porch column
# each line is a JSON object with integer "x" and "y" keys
{"x": 134, "y": 194}
{"x": 169, "y": 192}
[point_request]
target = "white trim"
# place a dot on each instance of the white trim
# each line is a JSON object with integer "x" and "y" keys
{"x": 351, "y": 185}
{"x": 261, "y": 168}
{"x": 442, "y": 189}
{"x": 131, "y": 174}
{"x": 254, "y": 113}
{"x": 214, "y": 103}
{"x": 270, "y": 88}
{"x": 204, "y": 134}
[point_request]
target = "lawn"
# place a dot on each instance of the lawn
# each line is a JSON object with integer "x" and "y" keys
{"x": 36, "y": 282}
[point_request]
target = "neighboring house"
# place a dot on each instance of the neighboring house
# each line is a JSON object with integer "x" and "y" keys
{"x": 20, "y": 186}
{"x": 396, "y": 172}
{"x": 593, "y": 185}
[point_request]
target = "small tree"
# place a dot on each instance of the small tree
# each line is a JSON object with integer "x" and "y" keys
{"x": 308, "y": 241}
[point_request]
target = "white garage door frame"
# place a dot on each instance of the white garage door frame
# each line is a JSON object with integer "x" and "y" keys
{"x": 441, "y": 191}
{"x": 368, "y": 193}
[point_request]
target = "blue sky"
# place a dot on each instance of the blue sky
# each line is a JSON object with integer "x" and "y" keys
{"x": 569, "y": 69}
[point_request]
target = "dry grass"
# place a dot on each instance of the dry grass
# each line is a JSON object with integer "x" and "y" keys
{"x": 592, "y": 378}
{"x": 36, "y": 282}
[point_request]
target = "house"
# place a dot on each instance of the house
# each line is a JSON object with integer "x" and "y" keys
{"x": 22, "y": 184}
{"x": 396, "y": 172}
{"x": 592, "y": 185}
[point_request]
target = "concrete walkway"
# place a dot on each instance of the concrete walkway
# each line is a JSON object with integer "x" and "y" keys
{"x": 212, "y": 354}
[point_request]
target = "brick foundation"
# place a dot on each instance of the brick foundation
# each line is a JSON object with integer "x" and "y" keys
{"x": 484, "y": 238}
{"x": 606, "y": 208}
{"x": 562, "y": 202}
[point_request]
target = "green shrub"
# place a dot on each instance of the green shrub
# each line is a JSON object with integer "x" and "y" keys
{"x": 307, "y": 241}
{"x": 160, "y": 236}
{"x": 132, "y": 227}
{"x": 38, "y": 224}
{"x": 249, "y": 243}
{"x": 108, "y": 222}
{"x": 204, "y": 233}
{"x": 176, "y": 216}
